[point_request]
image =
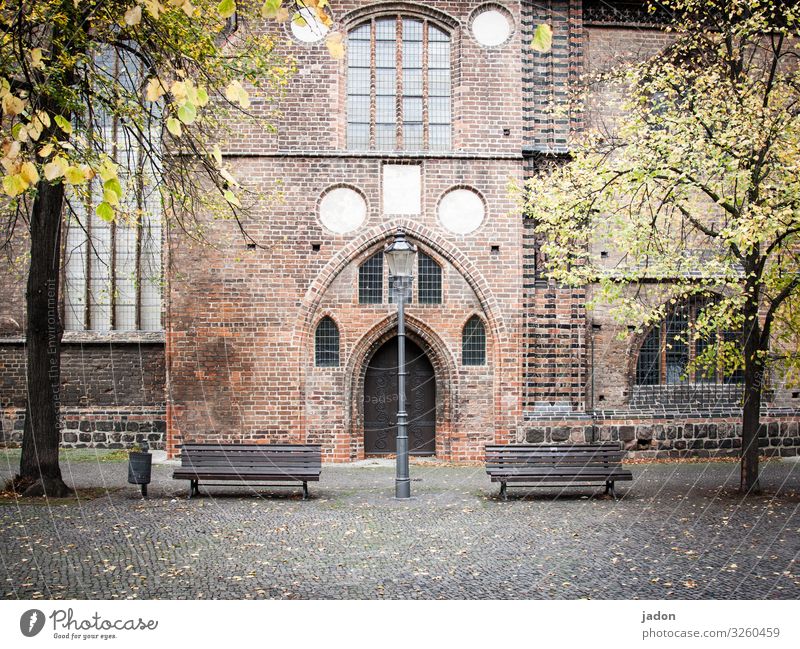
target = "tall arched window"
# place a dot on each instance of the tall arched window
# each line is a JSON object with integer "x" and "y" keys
{"x": 473, "y": 342}
{"x": 407, "y": 62}
{"x": 668, "y": 354}
{"x": 326, "y": 344}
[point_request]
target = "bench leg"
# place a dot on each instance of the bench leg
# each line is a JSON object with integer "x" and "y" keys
{"x": 305, "y": 491}
{"x": 193, "y": 489}
{"x": 503, "y": 493}
{"x": 610, "y": 488}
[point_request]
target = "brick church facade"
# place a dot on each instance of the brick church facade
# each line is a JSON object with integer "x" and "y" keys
{"x": 289, "y": 334}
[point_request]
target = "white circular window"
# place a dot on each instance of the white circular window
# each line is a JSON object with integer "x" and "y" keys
{"x": 491, "y": 27}
{"x": 306, "y": 26}
{"x": 342, "y": 210}
{"x": 461, "y": 211}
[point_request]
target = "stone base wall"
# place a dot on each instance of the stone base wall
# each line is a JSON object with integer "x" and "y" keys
{"x": 669, "y": 437}
{"x": 114, "y": 428}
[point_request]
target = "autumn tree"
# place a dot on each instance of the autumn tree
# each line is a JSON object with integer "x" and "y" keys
{"x": 696, "y": 192}
{"x": 170, "y": 75}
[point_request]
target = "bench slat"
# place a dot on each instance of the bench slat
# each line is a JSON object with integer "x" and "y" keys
{"x": 555, "y": 476}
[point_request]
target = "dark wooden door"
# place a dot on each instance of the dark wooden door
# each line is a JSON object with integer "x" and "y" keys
{"x": 380, "y": 401}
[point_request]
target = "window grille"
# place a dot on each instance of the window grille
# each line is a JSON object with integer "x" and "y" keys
{"x": 473, "y": 342}
{"x": 421, "y": 118}
{"x": 326, "y": 343}
{"x": 667, "y": 352}
{"x": 429, "y": 273}
{"x": 370, "y": 280}
{"x": 113, "y": 270}
{"x": 648, "y": 366}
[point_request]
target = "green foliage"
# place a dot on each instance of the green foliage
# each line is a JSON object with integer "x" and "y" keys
{"x": 167, "y": 73}
{"x": 694, "y": 191}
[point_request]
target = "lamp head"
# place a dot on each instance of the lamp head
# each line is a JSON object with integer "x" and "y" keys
{"x": 400, "y": 255}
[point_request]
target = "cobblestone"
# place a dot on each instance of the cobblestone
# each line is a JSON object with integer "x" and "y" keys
{"x": 678, "y": 531}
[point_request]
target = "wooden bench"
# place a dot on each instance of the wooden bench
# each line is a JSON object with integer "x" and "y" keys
{"x": 554, "y": 465}
{"x": 249, "y": 462}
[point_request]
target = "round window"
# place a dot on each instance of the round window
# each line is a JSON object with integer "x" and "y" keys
{"x": 491, "y": 27}
{"x": 342, "y": 210}
{"x": 461, "y": 211}
{"x": 306, "y": 26}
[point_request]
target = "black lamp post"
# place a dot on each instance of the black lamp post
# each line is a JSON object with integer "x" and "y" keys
{"x": 400, "y": 255}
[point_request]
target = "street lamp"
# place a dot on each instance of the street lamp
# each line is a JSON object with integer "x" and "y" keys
{"x": 400, "y": 255}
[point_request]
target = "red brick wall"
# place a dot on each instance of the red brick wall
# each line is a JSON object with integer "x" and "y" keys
{"x": 241, "y": 322}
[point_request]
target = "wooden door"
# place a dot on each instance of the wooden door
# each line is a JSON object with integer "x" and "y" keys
{"x": 380, "y": 401}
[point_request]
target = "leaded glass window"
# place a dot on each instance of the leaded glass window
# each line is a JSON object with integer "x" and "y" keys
{"x": 429, "y": 273}
{"x": 370, "y": 280}
{"x": 473, "y": 342}
{"x": 396, "y": 56}
{"x": 112, "y": 275}
{"x": 648, "y": 365}
{"x": 669, "y": 355}
{"x": 326, "y": 343}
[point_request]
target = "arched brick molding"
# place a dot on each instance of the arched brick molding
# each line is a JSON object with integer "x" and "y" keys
{"x": 360, "y": 245}
{"x": 411, "y": 9}
{"x": 356, "y": 250}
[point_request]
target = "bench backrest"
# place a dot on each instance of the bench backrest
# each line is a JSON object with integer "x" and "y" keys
{"x": 281, "y": 456}
{"x": 508, "y": 455}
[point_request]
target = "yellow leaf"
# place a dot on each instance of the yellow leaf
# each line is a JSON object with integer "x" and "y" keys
{"x": 154, "y": 89}
{"x": 178, "y": 90}
{"x": 14, "y": 185}
{"x": 105, "y": 212}
{"x": 12, "y": 105}
{"x": 154, "y": 8}
{"x": 226, "y": 8}
{"x": 174, "y": 126}
{"x": 542, "y": 38}
{"x": 36, "y": 58}
{"x": 55, "y": 169}
{"x": 29, "y": 173}
{"x": 74, "y": 176}
{"x": 10, "y": 166}
{"x": 232, "y": 91}
{"x": 11, "y": 149}
{"x": 335, "y": 43}
{"x": 216, "y": 153}
{"x": 188, "y": 9}
{"x": 110, "y": 197}
{"x": 187, "y": 113}
{"x": 107, "y": 169}
{"x": 133, "y": 16}
{"x": 63, "y": 124}
{"x": 45, "y": 151}
{"x": 228, "y": 177}
{"x": 231, "y": 198}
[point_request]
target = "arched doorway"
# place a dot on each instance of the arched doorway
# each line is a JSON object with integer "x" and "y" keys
{"x": 380, "y": 401}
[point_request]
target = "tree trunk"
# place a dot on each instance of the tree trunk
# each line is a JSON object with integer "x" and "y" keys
{"x": 751, "y": 410}
{"x": 39, "y": 471}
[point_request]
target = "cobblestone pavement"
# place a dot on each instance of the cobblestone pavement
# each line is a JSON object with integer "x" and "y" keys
{"x": 678, "y": 531}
